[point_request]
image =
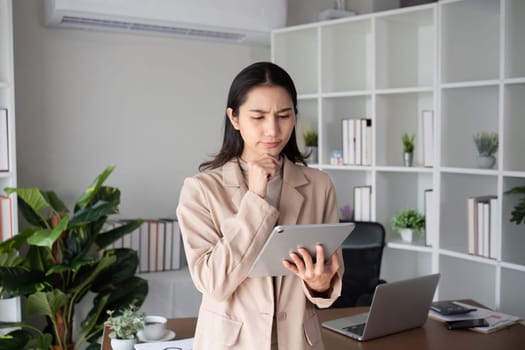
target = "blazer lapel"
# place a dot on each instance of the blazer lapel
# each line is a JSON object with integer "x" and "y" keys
{"x": 291, "y": 199}
{"x": 233, "y": 181}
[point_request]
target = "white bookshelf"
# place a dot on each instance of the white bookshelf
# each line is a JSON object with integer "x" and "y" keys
{"x": 10, "y": 309}
{"x": 465, "y": 61}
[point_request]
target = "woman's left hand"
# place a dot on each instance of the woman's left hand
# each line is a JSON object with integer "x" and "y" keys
{"x": 316, "y": 274}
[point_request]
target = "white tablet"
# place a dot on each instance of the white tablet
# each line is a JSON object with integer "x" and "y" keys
{"x": 287, "y": 238}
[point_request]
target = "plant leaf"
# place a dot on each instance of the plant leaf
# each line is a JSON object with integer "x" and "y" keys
{"x": 46, "y": 237}
{"x": 106, "y": 238}
{"x": 32, "y": 197}
{"x": 16, "y": 340}
{"x": 92, "y": 190}
{"x": 46, "y": 303}
{"x": 55, "y": 202}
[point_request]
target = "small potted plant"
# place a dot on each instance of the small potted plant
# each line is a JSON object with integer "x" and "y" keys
{"x": 408, "y": 222}
{"x": 408, "y": 148}
{"x": 310, "y": 141}
{"x": 124, "y": 327}
{"x": 487, "y": 145}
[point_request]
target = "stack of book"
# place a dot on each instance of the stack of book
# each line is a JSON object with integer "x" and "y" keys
{"x": 483, "y": 226}
{"x": 157, "y": 242}
{"x": 362, "y": 203}
{"x": 357, "y": 141}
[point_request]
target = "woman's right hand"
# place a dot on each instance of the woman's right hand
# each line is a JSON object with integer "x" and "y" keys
{"x": 260, "y": 171}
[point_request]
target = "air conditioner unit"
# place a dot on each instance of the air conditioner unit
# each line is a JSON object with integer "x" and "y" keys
{"x": 242, "y": 21}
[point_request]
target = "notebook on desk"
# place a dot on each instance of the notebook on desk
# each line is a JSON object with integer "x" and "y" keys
{"x": 396, "y": 306}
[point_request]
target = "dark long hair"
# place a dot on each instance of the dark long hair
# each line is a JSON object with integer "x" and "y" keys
{"x": 257, "y": 74}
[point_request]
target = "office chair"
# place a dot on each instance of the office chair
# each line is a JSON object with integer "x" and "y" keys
{"x": 362, "y": 255}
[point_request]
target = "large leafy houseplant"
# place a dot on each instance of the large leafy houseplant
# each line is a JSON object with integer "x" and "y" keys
{"x": 60, "y": 258}
{"x": 518, "y": 213}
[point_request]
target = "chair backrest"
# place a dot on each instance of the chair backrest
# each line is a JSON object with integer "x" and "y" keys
{"x": 362, "y": 255}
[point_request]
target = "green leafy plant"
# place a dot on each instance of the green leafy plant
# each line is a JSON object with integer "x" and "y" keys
{"x": 310, "y": 138}
{"x": 59, "y": 258}
{"x": 127, "y": 324}
{"x": 486, "y": 143}
{"x": 408, "y": 218}
{"x": 518, "y": 213}
{"x": 408, "y": 142}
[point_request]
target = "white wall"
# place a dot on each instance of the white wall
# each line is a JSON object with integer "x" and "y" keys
{"x": 152, "y": 106}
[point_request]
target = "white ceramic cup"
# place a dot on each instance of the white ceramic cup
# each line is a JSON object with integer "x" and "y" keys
{"x": 154, "y": 327}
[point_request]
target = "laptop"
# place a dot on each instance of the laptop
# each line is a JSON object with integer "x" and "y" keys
{"x": 396, "y": 307}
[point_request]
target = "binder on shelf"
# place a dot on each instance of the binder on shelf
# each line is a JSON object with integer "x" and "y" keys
{"x": 427, "y": 117}
{"x": 430, "y": 218}
{"x": 6, "y": 218}
{"x": 4, "y": 141}
{"x": 144, "y": 247}
{"x": 363, "y": 203}
{"x": 495, "y": 233}
{"x": 366, "y": 148}
{"x": 357, "y": 141}
{"x": 153, "y": 232}
{"x": 478, "y": 225}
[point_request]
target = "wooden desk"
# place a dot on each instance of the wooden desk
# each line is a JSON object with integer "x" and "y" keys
{"x": 433, "y": 335}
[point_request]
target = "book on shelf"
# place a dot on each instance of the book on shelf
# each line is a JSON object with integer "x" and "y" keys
{"x": 496, "y": 320}
{"x": 494, "y": 231}
{"x": 157, "y": 242}
{"x": 4, "y": 141}
{"x": 357, "y": 141}
{"x": 427, "y": 121}
{"x": 6, "y": 217}
{"x": 479, "y": 226}
{"x": 430, "y": 218}
{"x": 363, "y": 203}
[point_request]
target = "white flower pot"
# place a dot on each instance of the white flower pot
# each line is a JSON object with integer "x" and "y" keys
{"x": 407, "y": 234}
{"x": 486, "y": 162}
{"x": 122, "y": 344}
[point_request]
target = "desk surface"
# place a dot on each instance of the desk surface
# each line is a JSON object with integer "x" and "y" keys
{"x": 433, "y": 335}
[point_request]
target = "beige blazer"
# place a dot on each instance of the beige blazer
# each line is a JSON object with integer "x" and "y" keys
{"x": 223, "y": 228}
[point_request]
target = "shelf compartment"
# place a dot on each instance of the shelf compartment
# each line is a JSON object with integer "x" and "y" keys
{"x": 307, "y": 119}
{"x": 400, "y": 264}
{"x": 395, "y": 115}
{"x": 397, "y": 191}
{"x": 455, "y": 190}
{"x": 514, "y": 39}
{"x": 346, "y": 56}
{"x": 296, "y": 51}
{"x": 514, "y": 124}
{"x": 512, "y": 292}
{"x": 334, "y": 111}
{"x": 345, "y": 181}
{"x": 405, "y": 49}
{"x": 513, "y": 236}
{"x": 464, "y": 112}
{"x": 470, "y": 29}
{"x": 481, "y": 278}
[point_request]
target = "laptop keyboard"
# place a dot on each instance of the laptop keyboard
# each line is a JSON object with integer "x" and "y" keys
{"x": 356, "y": 329}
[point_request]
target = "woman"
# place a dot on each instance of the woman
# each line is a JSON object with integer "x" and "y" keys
{"x": 257, "y": 181}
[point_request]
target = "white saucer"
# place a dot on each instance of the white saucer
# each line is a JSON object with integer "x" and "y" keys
{"x": 169, "y": 335}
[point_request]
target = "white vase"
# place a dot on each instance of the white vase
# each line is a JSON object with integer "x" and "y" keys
{"x": 407, "y": 234}
{"x": 407, "y": 158}
{"x": 122, "y": 344}
{"x": 486, "y": 162}
{"x": 314, "y": 156}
